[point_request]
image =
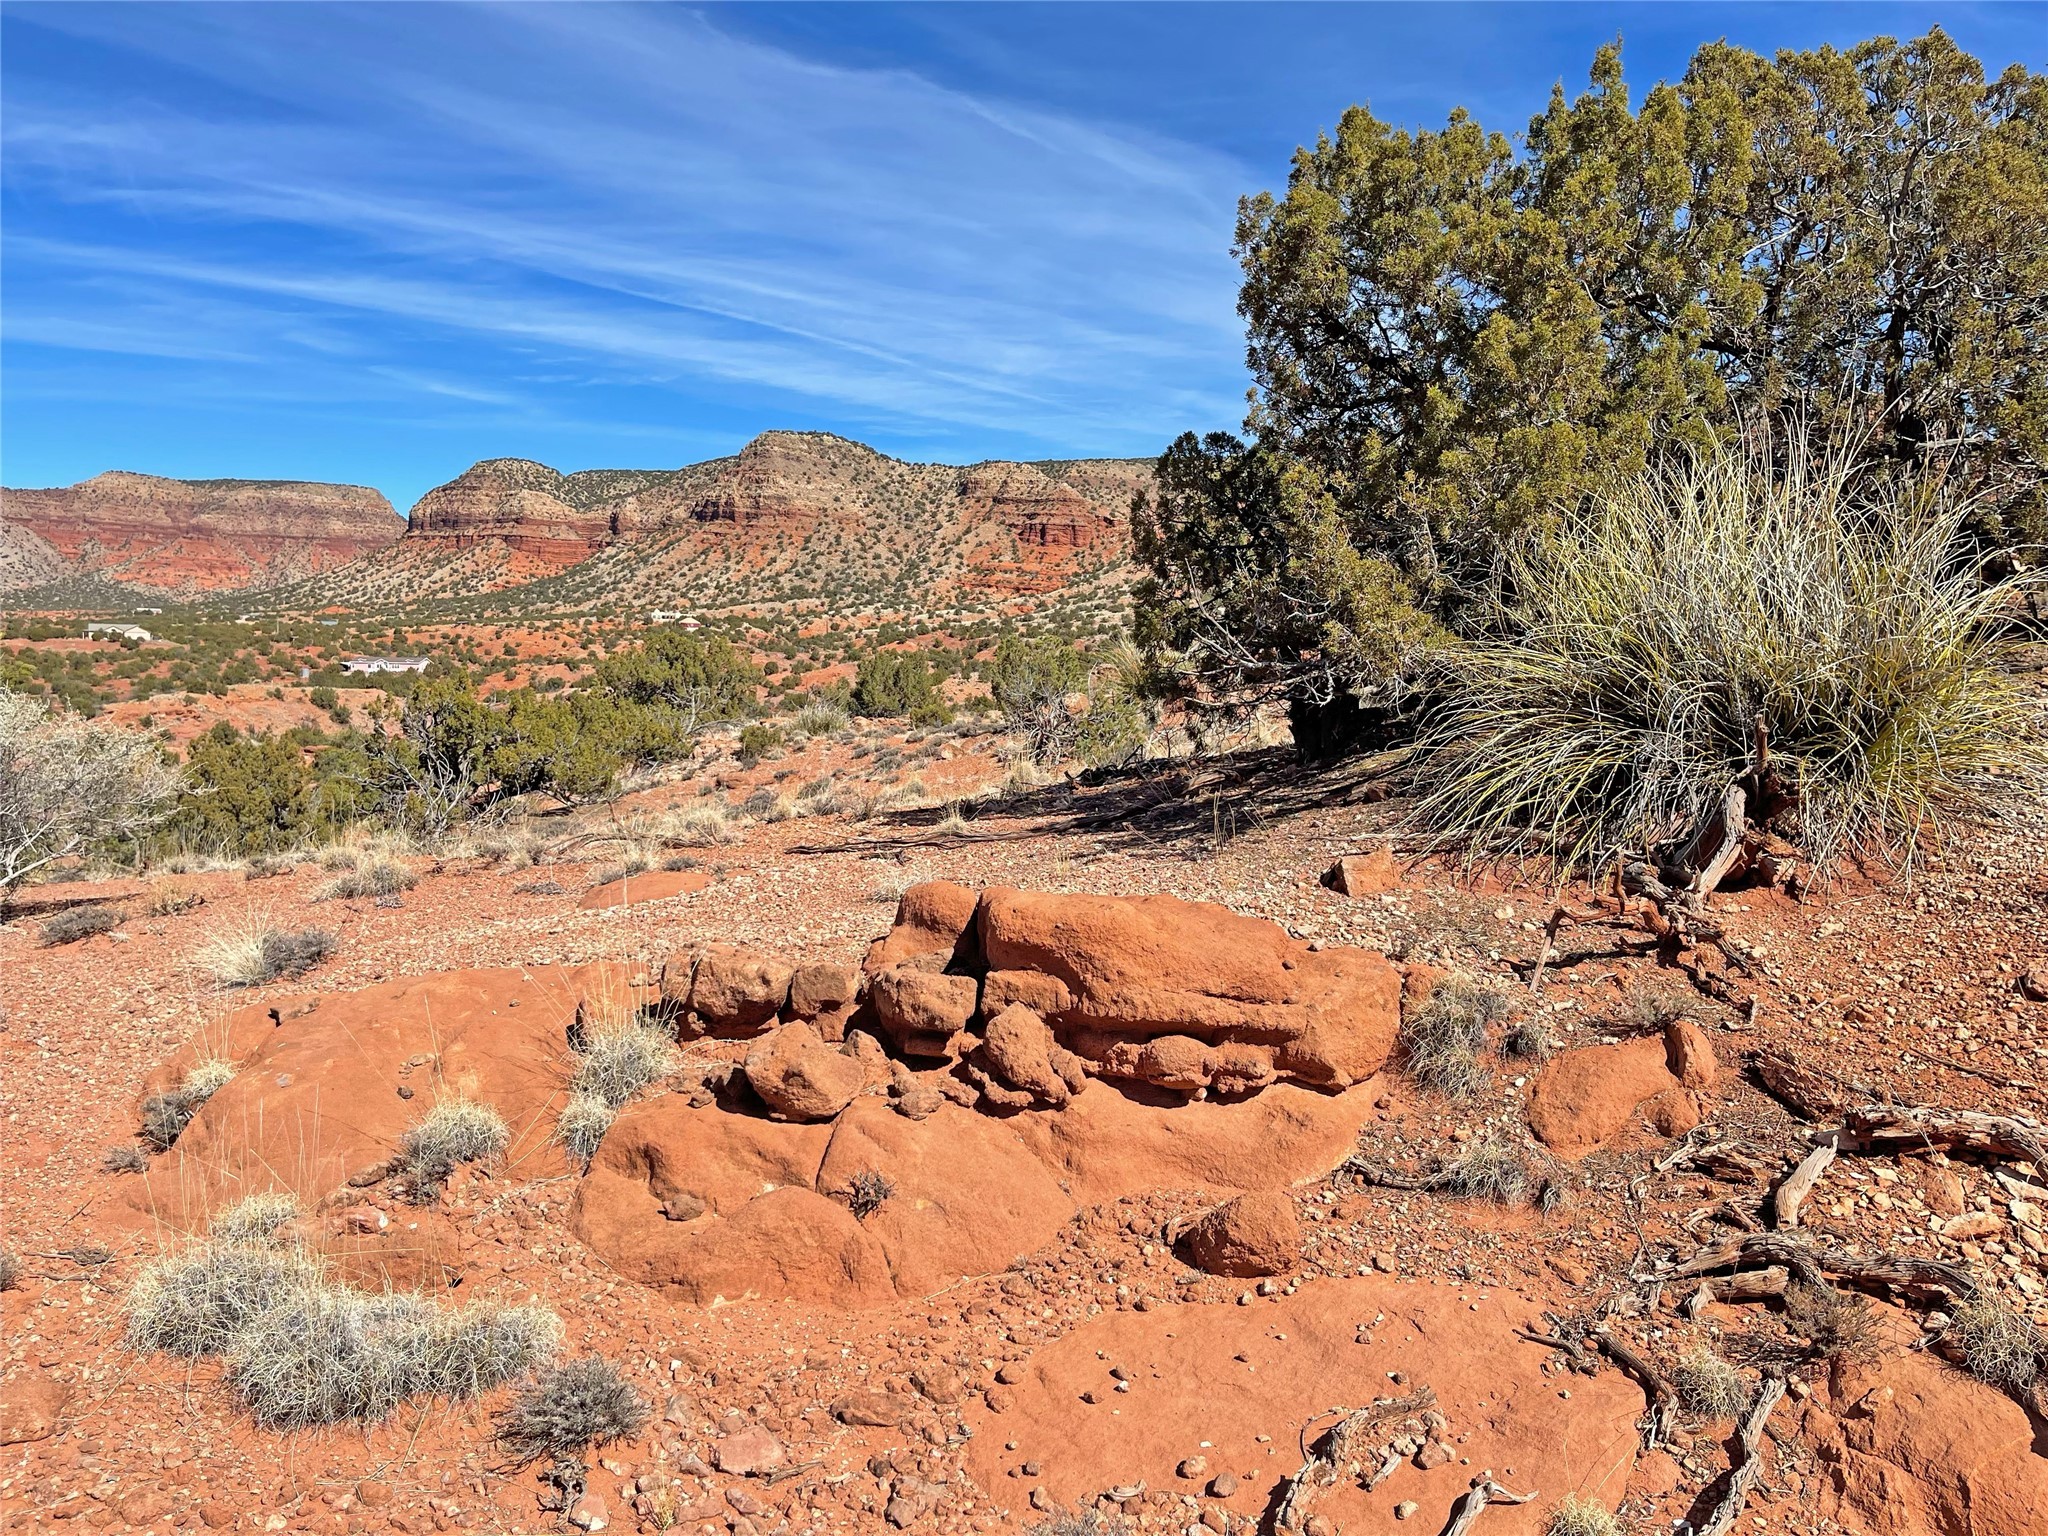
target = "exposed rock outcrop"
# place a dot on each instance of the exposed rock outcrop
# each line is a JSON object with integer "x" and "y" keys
{"x": 190, "y": 536}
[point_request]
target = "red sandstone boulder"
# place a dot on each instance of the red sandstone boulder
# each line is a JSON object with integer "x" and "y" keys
{"x": 637, "y": 890}
{"x": 1019, "y": 1050}
{"x": 787, "y": 1245}
{"x": 1155, "y": 965}
{"x": 1255, "y": 1234}
{"x": 1916, "y": 1447}
{"x": 969, "y": 1197}
{"x": 1364, "y": 874}
{"x": 799, "y": 1077}
{"x": 923, "y": 1012}
{"x": 1690, "y": 1054}
{"x": 826, "y": 996}
{"x": 935, "y": 918}
{"x": 732, "y": 991}
{"x": 31, "y": 1405}
{"x": 1583, "y": 1097}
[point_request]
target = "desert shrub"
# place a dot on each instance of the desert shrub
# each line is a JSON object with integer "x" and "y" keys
{"x": 1491, "y": 1168}
{"x": 708, "y": 824}
{"x": 165, "y": 1115}
{"x": 1835, "y": 1324}
{"x": 244, "y": 794}
{"x": 68, "y": 787}
{"x": 126, "y": 1159}
{"x": 1525, "y": 1039}
{"x": 758, "y": 741}
{"x": 1574, "y": 1515}
{"x": 760, "y": 802}
{"x": 324, "y": 698}
{"x": 1453, "y": 337}
{"x": 1442, "y": 1041}
{"x": 866, "y": 1192}
{"x": 75, "y": 923}
{"x": 1619, "y": 688}
{"x": 1031, "y": 681}
{"x": 698, "y": 679}
{"x": 1709, "y": 1386}
{"x": 168, "y": 900}
{"x": 10, "y": 1270}
{"x": 1999, "y": 1346}
{"x": 582, "y": 1125}
{"x": 890, "y": 683}
{"x": 567, "y": 1408}
{"x": 373, "y": 876}
{"x": 456, "y": 1130}
{"x": 254, "y": 1218}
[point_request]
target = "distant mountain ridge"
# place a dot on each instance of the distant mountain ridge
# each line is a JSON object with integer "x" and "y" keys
{"x": 188, "y": 538}
{"x": 792, "y": 516}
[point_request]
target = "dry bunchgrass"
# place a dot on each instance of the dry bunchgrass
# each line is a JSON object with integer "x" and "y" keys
{"x": 250, "y": 952}
{"x": 582, "y": 1125}
{"x": 569, "y": 1407}
{"x": 456, "y": 1130}
{"x": 1836, "y": 1324}
{"x": 10, "y": 1270}
{"x": 371, "y": 875}
{"x": 1443, "y": 1040}
{"x": 1490, "y": 1168}
{"x": 1616, "y": 693}
{"x": 1999, "y": 1346}
{"x": 302, "y": 1349}
{"x": 254, "y": 1218}
{"x": 1573, "y": 1515}
{"x": 1709, "y": 1386}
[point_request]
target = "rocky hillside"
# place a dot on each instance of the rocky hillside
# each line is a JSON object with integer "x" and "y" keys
{"x": 188, "y": 537}
{"x": 792, "y": 516}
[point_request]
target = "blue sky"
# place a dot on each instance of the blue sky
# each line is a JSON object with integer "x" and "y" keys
{"x": 376, "y": 244}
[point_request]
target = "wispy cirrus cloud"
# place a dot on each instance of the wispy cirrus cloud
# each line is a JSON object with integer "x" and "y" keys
{"x": 488, "y": 197}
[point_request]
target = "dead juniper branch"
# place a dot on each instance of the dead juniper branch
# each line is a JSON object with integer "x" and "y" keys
{"x": 1466, "y": 1512}
{"x": 1360, "y": 1445}
{"x": 1803, "y": 1088}
{"x": 1748, "y": 1466}
{"x": 1663, "y": 1398}
{"x": 1890, "y": 1128}
{"x": 1744, "y": 1285}
{"x": 1812, "y": 1265}
{"x": 1792, "y": 1193}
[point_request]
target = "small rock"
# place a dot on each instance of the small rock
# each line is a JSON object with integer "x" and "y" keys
{"x": 1223, "y": 1485}
{"x": 1255, "y": 1234}
{"x": 749, "y": 1452}
{"x": 1193, "y": 1467}
{"x": 1405, "y": 1508}
{"x": 588, "y": 1513}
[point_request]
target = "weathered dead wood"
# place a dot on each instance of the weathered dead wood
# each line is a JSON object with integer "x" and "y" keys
{"x": 1729, "y": 830}
{"x": 1559, "y": 916}
{"x": 1744, "y": 1285}
{"x": 1663, "y": 1398}
{"x": 1812, "y": 1265}
{"x": 1466, "y": 1512}
{"x": 1358, "y": 1445}
{"x": 1803, "y": 1088}
{"x": 1798, "y": 1184}
{"x": 1749, "y": 1464}
{"x": 1366, "y": 1171}
{"x": 1890, "y": 1128}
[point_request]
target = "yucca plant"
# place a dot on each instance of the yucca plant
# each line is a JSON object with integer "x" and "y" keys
{"x": 1638, "y": 653}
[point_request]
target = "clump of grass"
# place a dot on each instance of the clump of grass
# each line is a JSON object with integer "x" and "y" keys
{"x": 168, "y": 900}
{"x": 567, "y": 1408}
{"x": 582, "y": 1126}
{"x": 820, "y": 721}
{"x": 456, "y": 1130}
{"x": 619, "y": 1056}
{"x": 760, "y": 802}
{"x": 10, "y": 1270}
{"x": 165, "y": 1115}
{"x": 1443, "y": 1040}
{"x": 128, "y": 1159}
{"x": 705, "y": 825}
{"x": 538, "y": 888}
{"x": 1618, "y": 687}
{"x": 1576, "y": 1516}
{"x": 75, "y": 923}
{"x": 1999, "y": 1346}
{"x": 372, "y": 876}
{"x": 252, "y": 953}
{"x": 866, "y": 1193}
{"x": 254, "y": 1218}
{"x": 1491, "y": 1168}
{"x": 1835, "y": 1324}
{"x": 303, "y": 1350}
{"x": 1709, "y": 1386}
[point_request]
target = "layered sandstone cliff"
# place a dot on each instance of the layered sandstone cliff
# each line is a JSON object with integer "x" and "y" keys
{"x": 184, "y": 537}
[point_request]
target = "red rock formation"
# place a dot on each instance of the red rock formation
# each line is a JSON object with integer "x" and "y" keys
{"x": 184, "y": 536}
{"x": 526, "y": 505}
